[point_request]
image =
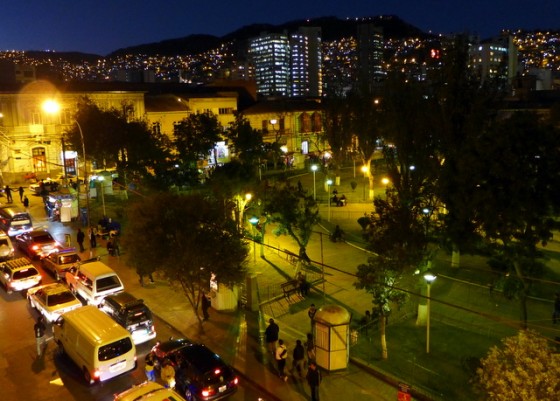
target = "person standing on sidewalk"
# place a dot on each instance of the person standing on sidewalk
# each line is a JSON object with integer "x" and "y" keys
{"x": 39, "y": 329}
{"x": 20, "y": 190}
{"x": 314, "y": 380}
{"x": 92, "y": 238}
{"x": 8, "y": 191}
{"x": 271, "y": 335}
{"x": 26, "y": 203}
{"x": 80, "y": 237}
{"x": 310, "y": 348}
{"x": 311, "y": 313}
{"x": 281, "y": 356}
{"x": 205, "y": 304}
{"x": 298, "y": 360}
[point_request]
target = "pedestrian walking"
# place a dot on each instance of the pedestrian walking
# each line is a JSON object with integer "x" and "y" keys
{"x": 271, "y": 335}
{"x": 298, "y": 360}
{"x": 556, "y": 312}
{"x": 8, "y": 191}
{"x": 150, "y": 367}
{"x": 311, "y": 313}
{"x": 314, "y": 380}
{"x": 92, "y": 238}
{"x": 40, "y": 329}
{"x": 20, "y": 190}
{"x": 168, "y": 374}
{"x": 80, "y": 237}
{"x": 205, "y": 304}
{"x": 26, "y": 203}
{"x": 281, "y": 355}
{"x": 310, "y": 348}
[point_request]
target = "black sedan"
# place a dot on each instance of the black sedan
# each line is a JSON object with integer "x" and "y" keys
{"x": 37, "y": 244}
{"x": 200, "y": 374}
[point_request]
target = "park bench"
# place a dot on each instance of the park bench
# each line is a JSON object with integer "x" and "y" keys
{"x": 290, "y": 287}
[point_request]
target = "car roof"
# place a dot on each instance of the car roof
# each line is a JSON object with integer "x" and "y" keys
{"x": 53, "y": 288}
{"x": 39, "y": 232}
{"x": 124, "y": 299}
{"x": 172, "y": 345}
{"x": 149, "y": 390}
{"x": 206, "y": 359}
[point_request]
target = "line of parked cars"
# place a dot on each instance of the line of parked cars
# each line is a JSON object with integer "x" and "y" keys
{"x": 101, "y": 337}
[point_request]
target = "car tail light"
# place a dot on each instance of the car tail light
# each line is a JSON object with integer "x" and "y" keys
{"x": 35, "y": 247}
{"x": 217, "y": 371}
{"x": 207, "y": 392}
{"x": 235, "y": 381}
{"x": 96, "y": 374}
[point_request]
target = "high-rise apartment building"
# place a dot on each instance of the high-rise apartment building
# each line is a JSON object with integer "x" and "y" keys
{"x": 495, "y": 58}
{"x": 370, "y": 55}
{"x": 288, "y": 64}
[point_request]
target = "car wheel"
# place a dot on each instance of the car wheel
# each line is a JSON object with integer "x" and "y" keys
{"x": 87, "y": 376}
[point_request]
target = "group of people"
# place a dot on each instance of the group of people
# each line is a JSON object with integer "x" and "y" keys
{"x": 22, "y": 197}
{"x": 303, "y": 354}
{"x": 167, "y": 371}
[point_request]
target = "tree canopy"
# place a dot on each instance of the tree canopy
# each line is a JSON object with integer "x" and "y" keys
{"x": 190, "y": 238}
{"x": 524, "y": 368}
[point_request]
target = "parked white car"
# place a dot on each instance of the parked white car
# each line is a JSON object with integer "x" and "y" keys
{"x": 52, "y": 300}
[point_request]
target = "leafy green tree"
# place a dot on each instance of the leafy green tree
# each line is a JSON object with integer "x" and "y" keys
{"x": 195, "y": 138}
{"x": 188, "y": 238}
{"x": 295, "y": 213}
{"x": 381, "y": 277}
{"x": 247, "y": 141}
{"x": 464, "y": 109}
{"x": 111, "y": 140}
{"x": 524, "y": 368}
{"x": 518, "y": 195}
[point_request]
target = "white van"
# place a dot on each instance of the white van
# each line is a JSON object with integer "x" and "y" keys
{"x": 100, "y": 347}
{"x": 93, "y": 281}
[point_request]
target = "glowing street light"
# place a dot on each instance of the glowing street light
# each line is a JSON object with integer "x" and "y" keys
{"x": 365, "y": 170}
{"x": 430, "y": 278}
{"x": 314, "y": 168}
{"x": 329, "y": 183}
{"x": 254, "y": 221}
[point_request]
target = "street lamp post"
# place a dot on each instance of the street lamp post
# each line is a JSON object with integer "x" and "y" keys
{"x": 254, "y": 220}
{"x": 86, "y": 182}
{"x": 314, "y": 169}
{"x": 429, "y": 277}
{"x": 329, "y": 183}
{"x": 364, "y": 170}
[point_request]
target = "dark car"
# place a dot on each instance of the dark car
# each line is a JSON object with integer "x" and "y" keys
{"x": 132, "y": 314}
{"x": 200, "y": 374}
{"x": 37, "y": 243}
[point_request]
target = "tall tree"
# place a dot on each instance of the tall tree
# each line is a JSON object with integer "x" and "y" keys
{"x": 465, "y": 107}
{"x": 518, "y": 188}
{"x": 247, "y": 142}
{"x": 191, "y": 239}
{"x": 295, "y": 213}
{"x": 195, "y": 138}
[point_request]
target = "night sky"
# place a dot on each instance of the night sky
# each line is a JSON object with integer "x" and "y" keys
{"x": 102, "y": 26}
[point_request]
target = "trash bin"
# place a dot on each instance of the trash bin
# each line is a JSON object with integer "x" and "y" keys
{"x": 331, "y": 326}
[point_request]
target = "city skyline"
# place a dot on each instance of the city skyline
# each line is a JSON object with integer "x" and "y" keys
{"x": 102, "y": 26}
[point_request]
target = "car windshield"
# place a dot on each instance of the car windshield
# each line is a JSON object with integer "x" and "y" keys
{"x": 218, "y": 375}
{"x": 69, "y": 259}
{"x": 108, "y": 283}
{"x": 25, "y": 273}
{"x": 60, "y": 298}
{"x": 43, "y": 238}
